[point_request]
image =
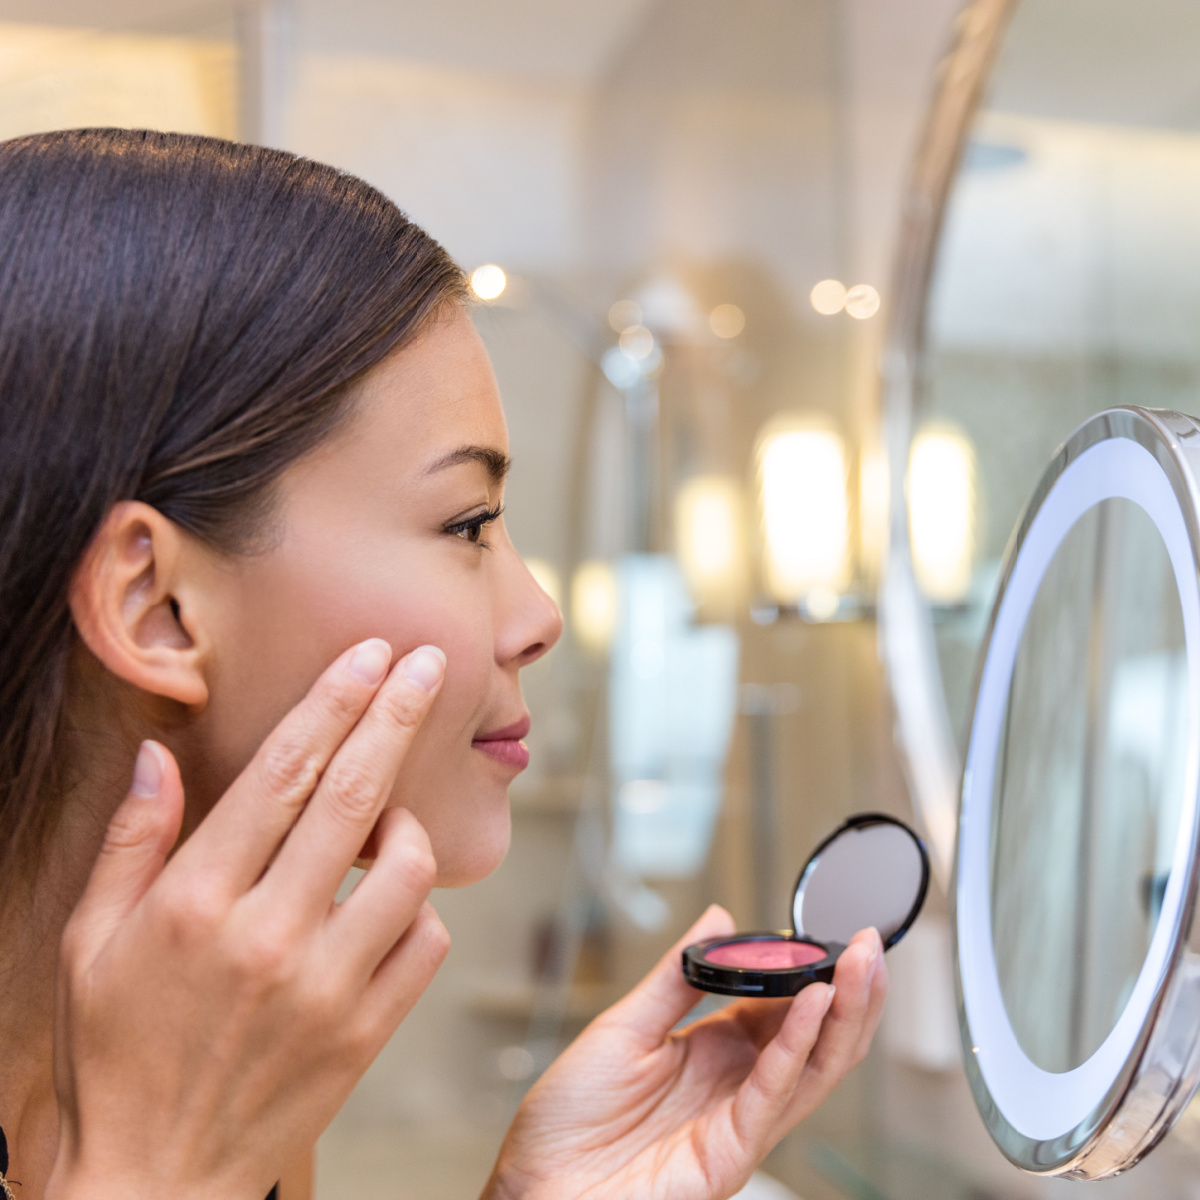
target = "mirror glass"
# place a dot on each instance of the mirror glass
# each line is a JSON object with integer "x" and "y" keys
{"x": 867, "y": 875}
{"x": 1067, "y": 277}
{"x": 1089, "y": 780}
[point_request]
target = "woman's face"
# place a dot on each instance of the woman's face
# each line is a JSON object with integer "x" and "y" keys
{"x": 390, "y": 530}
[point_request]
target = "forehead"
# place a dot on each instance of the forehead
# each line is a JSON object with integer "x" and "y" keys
{"x": 433, "y": 396}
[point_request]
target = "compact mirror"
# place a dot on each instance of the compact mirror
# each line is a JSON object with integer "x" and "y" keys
{"x": 871, "y": 871}
{"x": 1076, "y": 862}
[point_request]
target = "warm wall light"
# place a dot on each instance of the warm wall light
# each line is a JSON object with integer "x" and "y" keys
{"x": 547, "y": 578}
{"x": 941, "y": 511}
{"x": 637, "y": 342}
{"x": 488, "y": 281}
{"x": 623, "y": 314}
{"x": 862, "y": 301}
{"x": 709, "y": 541}
{"x": 594, "y": 605}
{"x": 874, "y": 481}
{"x": 804, "y": 508}
{"x": 727, "y": 320}
{"x": 828, "y": 297}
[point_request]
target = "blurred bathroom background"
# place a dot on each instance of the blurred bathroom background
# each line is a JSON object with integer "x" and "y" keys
{"x": 682, "y": 219}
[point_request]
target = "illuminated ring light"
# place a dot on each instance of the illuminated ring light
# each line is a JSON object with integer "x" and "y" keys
{"x": 1038, "y": 1104}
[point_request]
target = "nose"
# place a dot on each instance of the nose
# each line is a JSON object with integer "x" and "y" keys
{"x": 529, "y": 621}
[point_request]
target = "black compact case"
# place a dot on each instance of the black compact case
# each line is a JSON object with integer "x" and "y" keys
{"x": 872, "y": 870}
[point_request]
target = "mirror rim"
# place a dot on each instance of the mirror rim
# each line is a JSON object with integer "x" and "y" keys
{"x": 1110, "y": 1129}
{"x": 853, "y": 823}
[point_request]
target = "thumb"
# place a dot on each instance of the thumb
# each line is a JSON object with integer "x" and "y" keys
{"x": 664, "y": 997}
{"x": 136, "y": 844}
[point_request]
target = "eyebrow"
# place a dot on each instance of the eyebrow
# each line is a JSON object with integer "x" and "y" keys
{"x": 493, "y": 461}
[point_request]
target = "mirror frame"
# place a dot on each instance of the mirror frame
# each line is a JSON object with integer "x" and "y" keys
{"x": 924, "y": 730}
{"x": 1104, "y": 1115}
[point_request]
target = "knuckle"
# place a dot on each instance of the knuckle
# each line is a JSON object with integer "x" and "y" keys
{"x": 415, "y": 862}
{"x": 340, "y": 701}
{"x": 439, "y": 939}
{"x": 325, "y": 1003}
{"x": 430, "y": 935}
{"x": 402, "y": 708}
{"x": 360, "y": 1040}
{"x": 289, "y": 770}
{"x": 132, "y": 825}
{"x": 263, "y": 958}
{"x": 191, "y": 913}
{"x": 351, "y": 791}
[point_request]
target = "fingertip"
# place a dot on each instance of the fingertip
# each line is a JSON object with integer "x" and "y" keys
{"x": 369, "y": 661}
{"x": 424, "y": 667}
{"x": 148, "y": 770}
{"x": 856, "y": 966}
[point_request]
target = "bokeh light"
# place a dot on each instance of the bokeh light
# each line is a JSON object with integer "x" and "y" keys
{"x": 594, "y": 605}
{"x": 941, "y": 511}
{"x": 709, "y": 540}
{"x": 862, "y": 301}
{"x": 727, "y": 320}
{"x": 637, "y": 342}
{"x": 624, "y": 314}
{"x": 488, "y": 281}
{"x": 804, "y": 508}
{"x": 828, "y": 297}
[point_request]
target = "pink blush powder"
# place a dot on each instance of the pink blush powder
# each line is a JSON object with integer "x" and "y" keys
{"x": 764, "y": 956}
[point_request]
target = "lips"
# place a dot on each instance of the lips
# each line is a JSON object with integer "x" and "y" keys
{"x": 505, "y": 745}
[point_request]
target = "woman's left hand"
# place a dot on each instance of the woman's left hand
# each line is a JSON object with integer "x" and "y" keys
{"x": 634, "y": 1109}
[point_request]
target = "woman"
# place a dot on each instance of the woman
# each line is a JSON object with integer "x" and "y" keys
{"x": 249, "y": 432}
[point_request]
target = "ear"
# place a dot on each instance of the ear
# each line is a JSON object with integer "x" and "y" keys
{"x": 131, "y": 604}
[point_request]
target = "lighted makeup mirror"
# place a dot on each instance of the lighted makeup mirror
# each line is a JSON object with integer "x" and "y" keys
{"x": 1077, "y": 855}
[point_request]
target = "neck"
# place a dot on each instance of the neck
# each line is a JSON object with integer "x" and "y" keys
{"x": 31, "y": 928}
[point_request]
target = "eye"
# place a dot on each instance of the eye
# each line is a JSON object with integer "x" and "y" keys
{"x": 471, "y": 529}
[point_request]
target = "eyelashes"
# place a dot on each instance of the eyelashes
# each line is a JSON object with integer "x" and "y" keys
{"x": 471, "y": 529}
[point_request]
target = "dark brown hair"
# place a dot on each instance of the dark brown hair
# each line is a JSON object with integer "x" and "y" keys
{"x": 180, "y": 318}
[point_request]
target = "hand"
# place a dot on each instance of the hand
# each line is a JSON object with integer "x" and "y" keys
{"x": 213, "y": 1013}
{"x": 632, "y": 1109}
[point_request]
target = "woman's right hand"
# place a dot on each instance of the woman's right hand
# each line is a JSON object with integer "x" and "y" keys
{"x": 215, "y": 1011}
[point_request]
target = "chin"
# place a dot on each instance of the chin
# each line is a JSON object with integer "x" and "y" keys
{"x": 475, "y": 855}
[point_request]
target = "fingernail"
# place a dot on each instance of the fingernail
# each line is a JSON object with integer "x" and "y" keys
{"x": 370, "y": 661}
{"x": 829, "y": 999}
{"x": 425, "y": 667}
{"x": 147, "y": 772}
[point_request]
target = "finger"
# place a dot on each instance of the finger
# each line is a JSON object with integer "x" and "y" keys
{"x": 842, "y": 1032}
{"x": 241, "y": 834}
{"x": 764, "y": 1096}
{"x": 405, "y": 973}
{"x": 135, "y": 847}
{"x": 878, "y": 994}
{"x": 664, "y": 997}
{"x": 386, "y": 900}
{"x": 328, "y": 837}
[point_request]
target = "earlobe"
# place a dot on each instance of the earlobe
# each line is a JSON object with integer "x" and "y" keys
{"x": 129, "y": 602}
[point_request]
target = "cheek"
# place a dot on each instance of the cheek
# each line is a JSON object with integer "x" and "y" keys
{"x": 288, "y": 624}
